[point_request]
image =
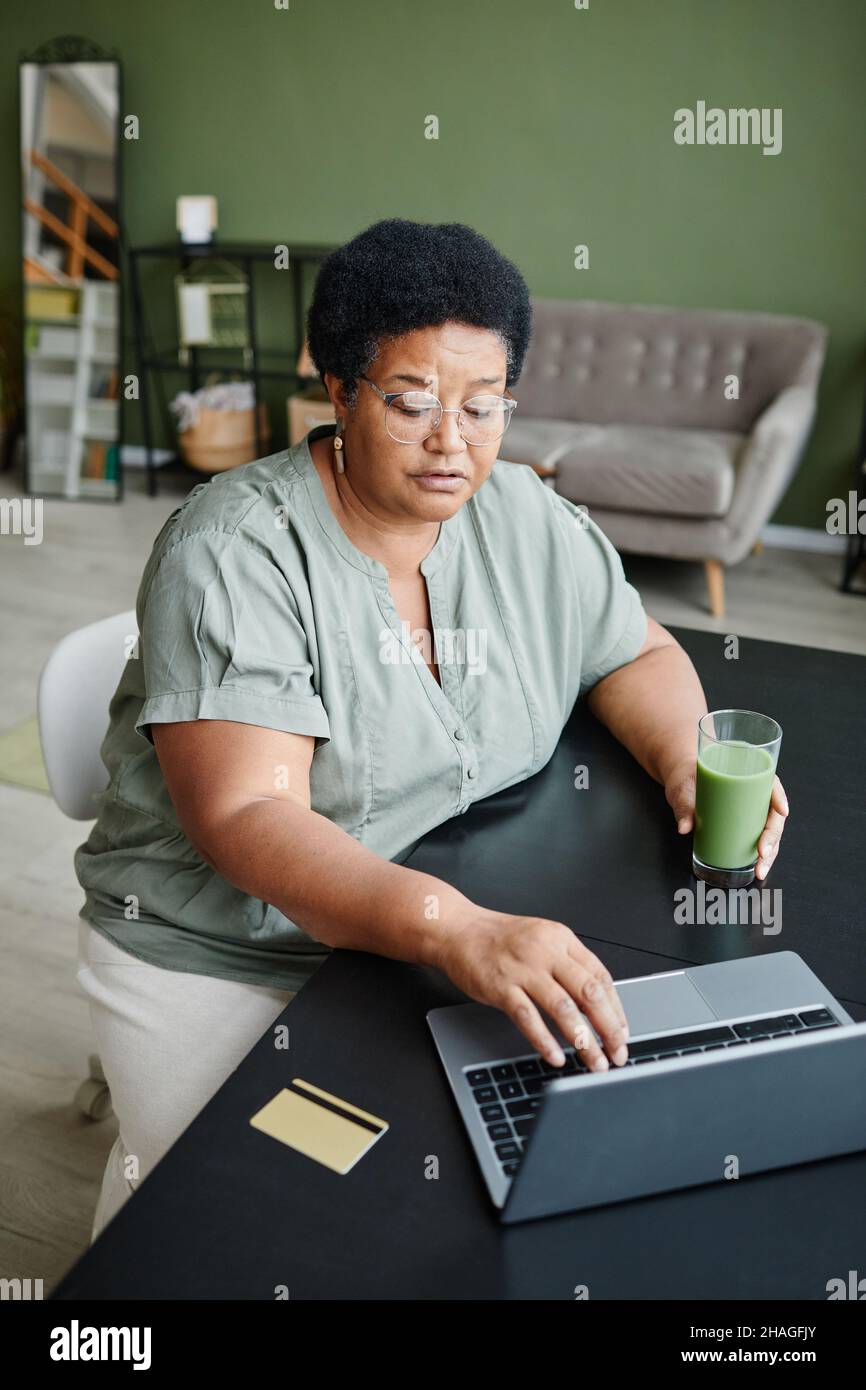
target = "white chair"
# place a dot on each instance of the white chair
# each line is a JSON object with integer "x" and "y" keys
{"x": 75, "y": 690}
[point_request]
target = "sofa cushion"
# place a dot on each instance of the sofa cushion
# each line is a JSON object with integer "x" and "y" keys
{"x": 540, "y": 442}
{"x": 641, "y": 468}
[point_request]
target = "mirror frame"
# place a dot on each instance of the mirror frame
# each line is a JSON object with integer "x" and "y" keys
{"x": 72, "y": 48}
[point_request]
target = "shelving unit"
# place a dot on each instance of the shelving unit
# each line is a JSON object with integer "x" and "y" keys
{"x": 51, "y": 361}
{"x": 70, "y": 358}
{"x": 95, "y": 419}
{"x": 196, "y": 362}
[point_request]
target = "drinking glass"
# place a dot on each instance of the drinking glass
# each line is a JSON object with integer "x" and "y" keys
{"x": 738, "y": 752}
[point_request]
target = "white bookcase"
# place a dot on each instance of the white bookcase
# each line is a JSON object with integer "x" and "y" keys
{"x": 65, "y": 366}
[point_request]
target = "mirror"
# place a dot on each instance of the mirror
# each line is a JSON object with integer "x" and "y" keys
{"x": 70, "y": 169}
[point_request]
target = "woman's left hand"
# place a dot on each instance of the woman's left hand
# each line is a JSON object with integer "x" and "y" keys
{"x": 680, "y": 793}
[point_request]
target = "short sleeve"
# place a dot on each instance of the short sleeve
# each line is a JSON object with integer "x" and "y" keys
{"x": 221, "y": 638}
{"x": 613, "y": 619}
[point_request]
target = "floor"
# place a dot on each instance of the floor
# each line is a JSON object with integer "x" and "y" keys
{"x": 780, "y": 595}
{"x": 87, "y": 567}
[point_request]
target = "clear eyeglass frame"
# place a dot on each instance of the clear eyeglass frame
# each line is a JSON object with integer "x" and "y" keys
{"x": 389, "y": 397}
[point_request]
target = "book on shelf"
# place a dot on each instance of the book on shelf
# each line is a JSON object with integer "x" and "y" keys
{"x": 104, "y": 387}
{"x": 100, "y": 460}
{"x": 93, "y": 465}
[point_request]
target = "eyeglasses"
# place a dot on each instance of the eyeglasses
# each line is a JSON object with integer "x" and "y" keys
{"x": 411, "y": 416}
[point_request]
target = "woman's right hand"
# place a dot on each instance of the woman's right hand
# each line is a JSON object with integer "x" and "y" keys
{"x": 524, "y": 965}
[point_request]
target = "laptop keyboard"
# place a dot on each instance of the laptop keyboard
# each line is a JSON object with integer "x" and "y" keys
{"x": 508, "y": 1094}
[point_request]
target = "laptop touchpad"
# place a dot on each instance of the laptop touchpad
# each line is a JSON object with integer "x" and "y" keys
{"x": 662, "y": 1002}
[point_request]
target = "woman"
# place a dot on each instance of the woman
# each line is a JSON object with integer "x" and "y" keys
{"x": 288, "y": 728}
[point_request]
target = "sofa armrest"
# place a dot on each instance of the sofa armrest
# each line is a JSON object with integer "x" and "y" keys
{"x": 768, "y": 462}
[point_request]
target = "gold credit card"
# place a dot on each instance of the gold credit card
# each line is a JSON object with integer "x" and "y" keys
{"x": 319, "y": 1125}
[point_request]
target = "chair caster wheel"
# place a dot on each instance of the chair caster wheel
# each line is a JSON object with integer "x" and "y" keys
{"x": 93, "y": 1099}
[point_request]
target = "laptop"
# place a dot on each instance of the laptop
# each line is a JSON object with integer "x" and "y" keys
{"x": 734, "y": 1068}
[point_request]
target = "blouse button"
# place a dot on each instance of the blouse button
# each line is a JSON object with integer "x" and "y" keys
{"x": 471, "y": 772}
{"x": 458, "y": 733}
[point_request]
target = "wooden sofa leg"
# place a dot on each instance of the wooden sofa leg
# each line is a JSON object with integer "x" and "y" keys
{"x": 715, "y": 575}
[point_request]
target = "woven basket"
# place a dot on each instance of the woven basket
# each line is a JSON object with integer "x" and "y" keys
{"x": 224, "y": 439}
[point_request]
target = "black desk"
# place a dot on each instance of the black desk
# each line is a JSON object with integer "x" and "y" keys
{"x": 230, "y": 1213}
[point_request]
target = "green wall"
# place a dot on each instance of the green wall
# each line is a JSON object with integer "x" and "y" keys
{"x": 556, "y": 127}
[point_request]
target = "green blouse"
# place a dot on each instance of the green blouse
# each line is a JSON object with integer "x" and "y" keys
{"x": 256, "y": 607}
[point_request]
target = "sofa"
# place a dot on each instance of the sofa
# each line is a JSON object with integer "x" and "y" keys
{"x": 632, "y": 412}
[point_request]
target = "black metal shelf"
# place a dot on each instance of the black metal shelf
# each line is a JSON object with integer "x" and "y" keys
{"x": 201, "y": 360}
{"x": 168, "y": 361}
{"x": 254, "y": 250}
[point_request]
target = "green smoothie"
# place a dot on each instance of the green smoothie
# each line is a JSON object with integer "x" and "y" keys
{"x": 734, "y": 784}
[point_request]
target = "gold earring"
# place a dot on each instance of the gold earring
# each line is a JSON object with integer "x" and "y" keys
{"x": 339, "y": 458}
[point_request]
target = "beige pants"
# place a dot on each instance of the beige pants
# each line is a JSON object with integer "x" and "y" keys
{"x": 167, "y": 1041}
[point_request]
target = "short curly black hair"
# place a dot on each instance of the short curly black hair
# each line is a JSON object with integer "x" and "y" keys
{"x": 400, "y": 275}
